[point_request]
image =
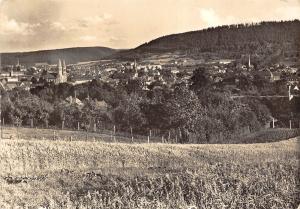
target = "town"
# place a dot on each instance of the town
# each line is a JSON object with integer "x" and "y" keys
{"x": 169, "y": 73}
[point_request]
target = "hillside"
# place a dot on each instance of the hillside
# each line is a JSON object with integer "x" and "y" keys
{"x": 277, "y": 40}
{"x": 71, "y": 55}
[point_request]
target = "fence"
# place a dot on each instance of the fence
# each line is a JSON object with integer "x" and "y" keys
{"x": 113, "y": 134}
{"x": 105, "y": 135}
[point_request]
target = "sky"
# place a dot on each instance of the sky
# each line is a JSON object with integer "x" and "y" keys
{"x": 27, "y": 25}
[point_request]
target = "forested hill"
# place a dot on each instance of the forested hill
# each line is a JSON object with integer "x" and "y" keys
{"x": 71, "y": 55}
{"x": 230, "y": 41}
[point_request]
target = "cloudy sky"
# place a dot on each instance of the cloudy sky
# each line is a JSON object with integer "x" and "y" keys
{"x": 47, "y": 24}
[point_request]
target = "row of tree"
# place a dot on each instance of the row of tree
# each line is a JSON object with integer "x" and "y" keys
{"x": 194, "y": 113}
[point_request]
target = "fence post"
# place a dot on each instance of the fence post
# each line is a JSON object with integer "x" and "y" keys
{"x": 290, "y": 124}
{"x": 78, "y": 126}
{"x": 162, "y": 139}
{"x": 131, "y": 133}
{"x": 114, "y": 133}
{"x": 2, "y": 121}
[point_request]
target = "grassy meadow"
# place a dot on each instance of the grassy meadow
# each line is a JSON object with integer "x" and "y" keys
{"x": 88, "y": 174}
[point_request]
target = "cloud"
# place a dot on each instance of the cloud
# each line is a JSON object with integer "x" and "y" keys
{"x": 12, "y": 26}
{"x": 211, "y": 18}
{"x": 288, "y": 13}
{"x": 87, "y": 38}
{"x": 58, "y": 26}
{"x": 95, "y": 20}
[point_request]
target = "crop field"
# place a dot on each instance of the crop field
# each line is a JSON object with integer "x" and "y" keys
{"x": 88, "y": 174}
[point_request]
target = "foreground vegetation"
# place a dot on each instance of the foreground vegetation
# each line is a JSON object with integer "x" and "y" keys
{"x": 62, "y": 174}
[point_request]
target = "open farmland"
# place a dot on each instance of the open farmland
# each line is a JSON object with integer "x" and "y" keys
{"x": 62, "y": 174}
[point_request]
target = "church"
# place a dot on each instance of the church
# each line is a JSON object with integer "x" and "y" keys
{"x": 62, "y": 72}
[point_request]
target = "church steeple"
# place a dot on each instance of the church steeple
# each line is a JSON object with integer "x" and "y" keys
{"x": 249, "y": 62}
{"x": 59, "y": 66}
{"x": 64, "y": 67}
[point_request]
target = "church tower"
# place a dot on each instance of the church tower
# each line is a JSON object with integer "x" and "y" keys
{"x": 64, "y": 67}
{"x": 60, "y": 69}
{"x": 59, "y": 72}
{"x": 249, "y": 62}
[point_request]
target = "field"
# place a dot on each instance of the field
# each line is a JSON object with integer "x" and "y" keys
{"x": 96, "y": 174}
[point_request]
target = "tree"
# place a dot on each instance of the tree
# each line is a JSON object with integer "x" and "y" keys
{"x": 200, "y": 79}
{"x": 128, "y": 114}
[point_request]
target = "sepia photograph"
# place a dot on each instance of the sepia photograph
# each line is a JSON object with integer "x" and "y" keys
{"x": 149, "y": 104}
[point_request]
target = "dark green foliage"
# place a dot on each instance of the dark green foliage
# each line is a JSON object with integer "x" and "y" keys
{"x": 269, "y": 40}
{"x": 197, "y": 113}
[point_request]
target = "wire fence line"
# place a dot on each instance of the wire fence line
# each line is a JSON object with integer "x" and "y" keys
{"x": 54, "y": 133}
{"x": 111, "y": 133}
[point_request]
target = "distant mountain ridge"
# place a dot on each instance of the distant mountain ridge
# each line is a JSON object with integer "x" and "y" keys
{"x": 263, "y": 39}
{"x": 266, "y": 42}
{"x": 71, "y": 55}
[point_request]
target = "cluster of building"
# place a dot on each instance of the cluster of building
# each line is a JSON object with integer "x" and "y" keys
{"x": 18, "y": 76}
{"x": 148, "y": 73}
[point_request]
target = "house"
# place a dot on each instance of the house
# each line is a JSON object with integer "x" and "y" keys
{"x": 268, "y": 75}
{"x": 102, "y": 105}
{"x": 12, "y": 85}
{"x": 275, "y": 76}
{"x": 25, "y": 85}
{"x": 74, "y": 100}
{"x": 49, "y": 77}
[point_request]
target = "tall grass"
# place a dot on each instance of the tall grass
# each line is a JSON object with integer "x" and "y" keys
{"x": 61, "y": 174}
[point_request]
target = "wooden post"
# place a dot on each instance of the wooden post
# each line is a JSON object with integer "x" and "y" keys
{"x": 95, "y": 127}
{"x": 176, "y": 140}
{"x": 31, "y": 122}
{"x": 131, "y": 133}
{"x": 290, "y": 124}
{"x": 78, "y": 126}
{"x": 162, "y": 139}
{"x": 63, "y": 125}
{"x": 148, "y": 139}
{"x": 114, "y": 133}
{"x": 2, "y": 128}
{"x": 169, "y": 137}
{"x": 273, "y": 122}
